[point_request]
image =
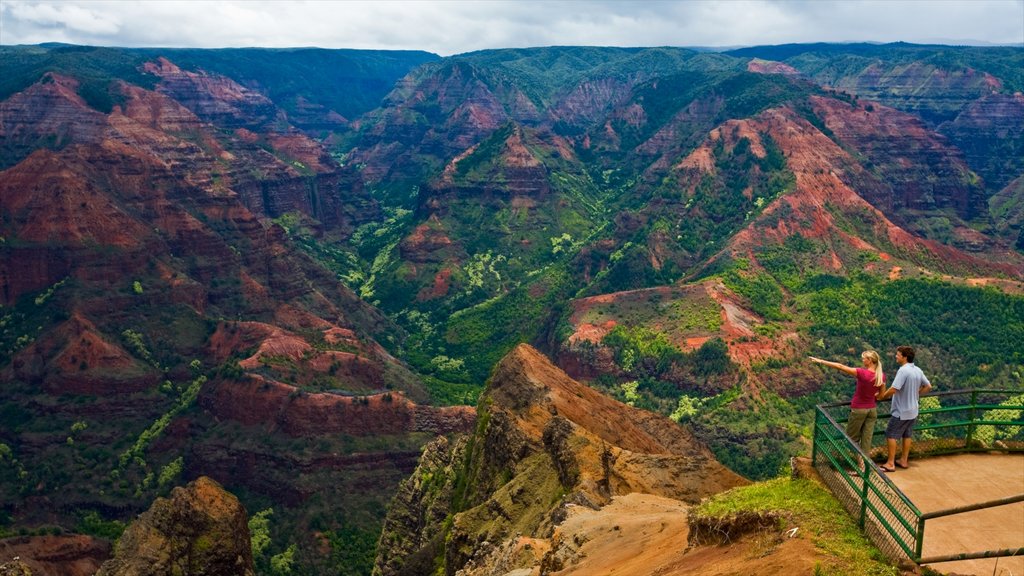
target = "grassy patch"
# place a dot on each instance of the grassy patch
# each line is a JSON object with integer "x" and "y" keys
{"x": 820, "y": 517}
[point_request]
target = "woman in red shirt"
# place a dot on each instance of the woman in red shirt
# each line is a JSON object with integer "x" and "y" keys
{"x": 870, "y": 382}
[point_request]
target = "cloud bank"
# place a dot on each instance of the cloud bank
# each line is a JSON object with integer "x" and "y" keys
{"x": 450, "y": 27}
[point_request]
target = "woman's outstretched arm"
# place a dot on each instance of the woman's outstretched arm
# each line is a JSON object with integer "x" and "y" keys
{"x": 836, "y": 365}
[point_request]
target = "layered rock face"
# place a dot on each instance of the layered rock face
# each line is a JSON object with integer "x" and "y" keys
{"x": 936, "y": 93}
{"x": 507, "y": 170}
{"x": 199, "y": 529}
{"x": 990, "y": 133}
{"x": 439, "y": 111}
{"x": 1008, "y": 207}
{"x": 70, "y": 555}
{"x": 589, "y": 102}
{"x": 212, "y": 132}
{"x": 214, "y": 98}
{"x": 296, "y": 413}
{"x": 545, "y": 443}
{"x": 49, "y": 114}
{"x": 925, "y": 172}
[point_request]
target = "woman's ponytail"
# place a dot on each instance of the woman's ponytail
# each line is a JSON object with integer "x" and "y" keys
{"x": 873, "y": 356}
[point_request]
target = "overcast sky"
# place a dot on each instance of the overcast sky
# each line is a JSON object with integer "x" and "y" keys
{"x": 450, "y": 27}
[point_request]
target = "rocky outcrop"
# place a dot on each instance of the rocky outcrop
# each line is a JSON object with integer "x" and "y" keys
{"x": 199, "y": 529}
{"x": 544, "y": 443}
{"x": 429, "y": 242}
{"x": 15, "y": 568}
{"x": 75, "y": 358}
{"x": 760, "y": 66}
{"x": 410, "y": 541}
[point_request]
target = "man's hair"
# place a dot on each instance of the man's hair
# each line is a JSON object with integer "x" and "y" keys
{"x": 907, "y": 352}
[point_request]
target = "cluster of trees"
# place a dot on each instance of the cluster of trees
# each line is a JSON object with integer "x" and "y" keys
{"x": 644, "y": 353}
{"x": 966, "y": 336}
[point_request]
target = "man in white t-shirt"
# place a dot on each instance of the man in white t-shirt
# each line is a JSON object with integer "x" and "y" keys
{"x": 907, "y": 387}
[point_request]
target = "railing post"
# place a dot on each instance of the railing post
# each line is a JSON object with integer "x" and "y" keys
{"x": 864, "y": 493}
{"x": 919, "y": 546}
{"x": 970, "y": 427}
{"x": 814, "y": 437}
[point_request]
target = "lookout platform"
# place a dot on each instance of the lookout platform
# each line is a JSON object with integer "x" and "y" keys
{"x": 941, "y": 483}
{"x": 959, "y": 508}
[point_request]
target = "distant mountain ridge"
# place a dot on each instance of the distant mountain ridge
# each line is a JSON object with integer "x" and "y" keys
{"x": 347, "y": 82}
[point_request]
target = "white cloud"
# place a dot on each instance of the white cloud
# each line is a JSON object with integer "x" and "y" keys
{"x": 449, "y": 26}
{"x": 74, "y": 18}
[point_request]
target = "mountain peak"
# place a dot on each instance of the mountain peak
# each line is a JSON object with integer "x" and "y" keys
{"x": 544, "y": 443}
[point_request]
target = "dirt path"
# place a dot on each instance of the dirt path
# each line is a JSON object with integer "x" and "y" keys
{"x": 941, "y": 483}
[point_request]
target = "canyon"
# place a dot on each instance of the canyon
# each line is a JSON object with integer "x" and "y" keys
{"x": 494, "y": 268}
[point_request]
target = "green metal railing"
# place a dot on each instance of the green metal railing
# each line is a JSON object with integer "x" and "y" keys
{"x": 949, "y": 422}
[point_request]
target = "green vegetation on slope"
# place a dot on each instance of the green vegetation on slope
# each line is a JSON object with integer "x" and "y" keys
{"x": 813, "y": 59}
{"x": 96, "y": 69}
{"x": 483, "y": 334}
{"x": 544, "y": 74}
{"x": 966, "y": 337}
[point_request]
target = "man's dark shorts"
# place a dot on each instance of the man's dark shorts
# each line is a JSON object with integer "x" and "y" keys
{"x": 899, "y": 428}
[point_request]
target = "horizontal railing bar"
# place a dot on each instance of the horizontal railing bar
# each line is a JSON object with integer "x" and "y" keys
{"x": 969, "y": 407}
{"x": 971, "y": 507}
{"x": 962, "y": 423}
{"x": 943, "y": 393}
{"x": 973, "y": 391}
{"x": 973, "y": 555}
